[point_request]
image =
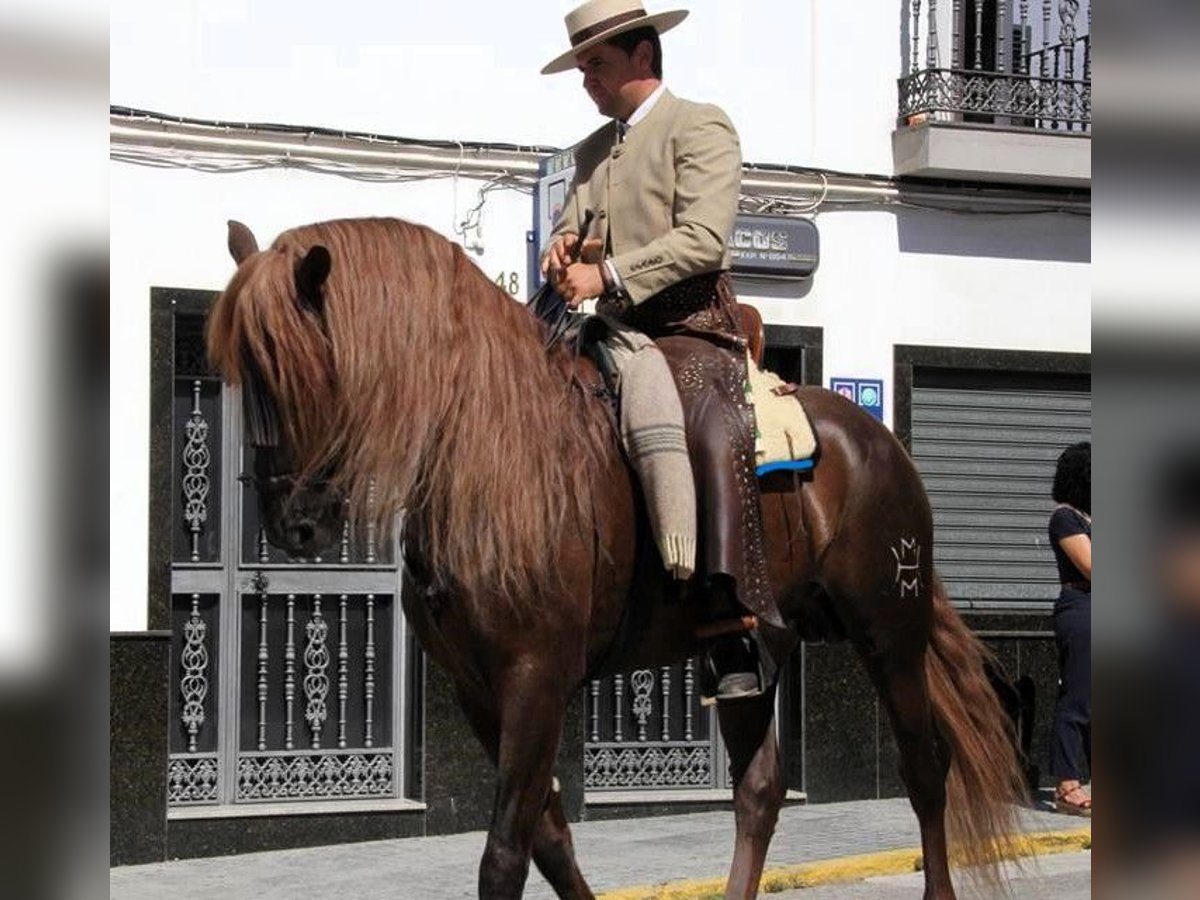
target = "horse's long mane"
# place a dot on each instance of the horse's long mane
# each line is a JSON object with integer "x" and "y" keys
{"x": 425, "y": 389}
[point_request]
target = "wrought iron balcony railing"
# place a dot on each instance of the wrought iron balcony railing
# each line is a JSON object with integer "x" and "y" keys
{"x": 1002, "y": 68}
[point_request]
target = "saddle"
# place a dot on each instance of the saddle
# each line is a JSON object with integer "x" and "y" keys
{"x": 590, "y": 341}
{"x": 708, "y": 392}
{"x": 751, "y": 324}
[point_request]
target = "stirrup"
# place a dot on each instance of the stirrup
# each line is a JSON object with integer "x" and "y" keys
{"x": 741, "y": 682}
{"x": 737, "y": 686}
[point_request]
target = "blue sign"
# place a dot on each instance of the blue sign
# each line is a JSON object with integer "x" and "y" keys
{"x": 554, "y": 179}
{"x": 866, "y": 392}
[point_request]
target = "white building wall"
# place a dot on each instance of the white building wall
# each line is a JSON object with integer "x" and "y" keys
{"x": 869, "y": 295}
{"x": 807, "y": 83}
{"x": 857, "y": 55}
{"x": 168, "y": 229}
{"x": 464, "y": 70}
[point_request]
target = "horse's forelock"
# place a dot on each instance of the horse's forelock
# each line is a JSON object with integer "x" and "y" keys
{"x": 257, "y": 334}
{"x": 432, "y": 392}
{"x": 225, "y": 329}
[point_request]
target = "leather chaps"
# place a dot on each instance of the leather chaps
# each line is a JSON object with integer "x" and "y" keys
{"x": 696, "y": 326}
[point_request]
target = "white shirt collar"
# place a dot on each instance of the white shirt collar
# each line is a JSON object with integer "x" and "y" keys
{"x": 642, "y": 111}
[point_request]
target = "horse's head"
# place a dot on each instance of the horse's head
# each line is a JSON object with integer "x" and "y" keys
{"x": 300, "y": 516}
{"x": 301, "y": 510}
{"x": 375, "y": 359}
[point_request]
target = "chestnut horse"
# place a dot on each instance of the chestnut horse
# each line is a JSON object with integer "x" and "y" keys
{"x": 376, "y": 358}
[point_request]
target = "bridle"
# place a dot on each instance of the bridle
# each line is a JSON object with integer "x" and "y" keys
{"x": 262, "y": 432}
{"x": 272, "y": 482}
{"x": 284, "y": 481}
{"x": 258, "y": 410}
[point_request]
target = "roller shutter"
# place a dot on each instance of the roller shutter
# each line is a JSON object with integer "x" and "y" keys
{"x": 986, "y": 448}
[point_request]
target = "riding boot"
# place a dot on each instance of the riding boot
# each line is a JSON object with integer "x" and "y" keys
{"x": 720, "y": 437}
{"x": 736, "y": 663}
{"x": 694, "y": 323}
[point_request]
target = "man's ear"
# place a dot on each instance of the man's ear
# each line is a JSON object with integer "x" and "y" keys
{"x": 644, "y": 52}
{"x": 311, "y": 272}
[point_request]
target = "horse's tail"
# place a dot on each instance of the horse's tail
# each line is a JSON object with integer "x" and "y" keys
{"x": 986, "y": 782}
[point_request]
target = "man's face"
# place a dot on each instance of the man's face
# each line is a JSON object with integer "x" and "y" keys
{"x": 610, "y": 77}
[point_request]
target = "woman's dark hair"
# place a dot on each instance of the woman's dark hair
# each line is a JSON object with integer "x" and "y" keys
{"x": 1073, "y": 477}
{"x": 628, "y": 42}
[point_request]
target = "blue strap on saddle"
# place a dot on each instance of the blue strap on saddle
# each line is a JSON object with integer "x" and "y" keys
{"x": 793, "y": 465}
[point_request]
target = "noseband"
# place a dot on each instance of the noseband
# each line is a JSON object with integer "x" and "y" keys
{"x": 289, "y": 481}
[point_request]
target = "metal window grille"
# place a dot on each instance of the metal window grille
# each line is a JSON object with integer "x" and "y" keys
{"x": 1007, "y": 64}
{"x": 289, "y": 677}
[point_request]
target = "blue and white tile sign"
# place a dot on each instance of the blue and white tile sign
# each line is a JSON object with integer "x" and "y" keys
{"x": 866, "y": 392}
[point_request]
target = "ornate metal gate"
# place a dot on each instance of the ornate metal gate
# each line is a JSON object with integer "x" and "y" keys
{"x": 648, "y": 731}
{"x": 289, "y": 676}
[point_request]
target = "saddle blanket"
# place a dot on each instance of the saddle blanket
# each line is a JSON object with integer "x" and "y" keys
{"x": 783, "y": 436}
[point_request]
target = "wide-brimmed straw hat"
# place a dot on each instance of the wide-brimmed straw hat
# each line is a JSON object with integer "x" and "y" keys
{"x": 599, "y": 20}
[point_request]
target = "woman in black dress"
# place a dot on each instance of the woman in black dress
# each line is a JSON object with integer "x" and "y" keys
{"x": 1071, "y": 537}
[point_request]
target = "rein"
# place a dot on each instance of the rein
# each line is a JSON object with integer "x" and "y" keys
{"x": 548, "y": 304}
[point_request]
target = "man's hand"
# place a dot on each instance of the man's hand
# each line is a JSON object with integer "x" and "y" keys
{"x": 557, "y": 258}
{"x": 579, "y": 282}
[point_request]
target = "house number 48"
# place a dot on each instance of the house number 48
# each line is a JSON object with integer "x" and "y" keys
{"x": 509, "y": 281}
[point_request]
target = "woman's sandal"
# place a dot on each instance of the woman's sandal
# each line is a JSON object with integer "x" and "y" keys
{"x": 1079, "y": 807}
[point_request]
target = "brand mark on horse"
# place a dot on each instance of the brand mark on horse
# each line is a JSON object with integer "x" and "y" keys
{"x": 908, "y": 567}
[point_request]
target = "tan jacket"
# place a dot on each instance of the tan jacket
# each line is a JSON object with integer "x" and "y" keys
{"x": 665, "y": 199}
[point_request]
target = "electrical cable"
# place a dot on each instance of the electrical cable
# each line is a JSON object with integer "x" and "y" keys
{"x": 892, "y": 193}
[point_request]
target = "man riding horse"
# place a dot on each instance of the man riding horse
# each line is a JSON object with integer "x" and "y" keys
{"x": 662, "y": 181}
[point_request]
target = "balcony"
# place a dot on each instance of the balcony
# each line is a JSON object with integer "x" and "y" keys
{"x": 1010, "y": 98}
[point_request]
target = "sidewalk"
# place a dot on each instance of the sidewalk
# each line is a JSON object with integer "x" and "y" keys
{"x": 612, "y": 855}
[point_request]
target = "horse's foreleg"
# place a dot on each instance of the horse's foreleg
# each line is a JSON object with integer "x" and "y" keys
{"x": 748, "y": 727}
{"x": 553, "y": 850}
{"x": 531, "y": 716}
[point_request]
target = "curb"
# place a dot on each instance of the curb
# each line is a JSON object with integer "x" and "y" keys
{"x": 843, "y": 869}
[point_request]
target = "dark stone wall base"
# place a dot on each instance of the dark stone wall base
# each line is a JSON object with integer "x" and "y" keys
{"x": 139, "y": 676}
{"x": 607, "y": 811}
{"x": 850, "y": 753}
{"x": 842, "y": 739}
{"x": 190, "y": 838}
{"x": 1024, "y": 645}
{"x": 569, "y": 767}
{"x": 460, "y": 781}
{"x": 847, "y": 751}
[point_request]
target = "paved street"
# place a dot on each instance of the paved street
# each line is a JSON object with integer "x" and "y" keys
{"x": 613, "y": 854}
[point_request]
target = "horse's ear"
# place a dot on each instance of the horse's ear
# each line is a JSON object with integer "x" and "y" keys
{"x": 241, "y": 242}
{"x": 311, "y": 272}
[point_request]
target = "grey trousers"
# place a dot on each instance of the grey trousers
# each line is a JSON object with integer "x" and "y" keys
{"x": 652, "y": 430}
